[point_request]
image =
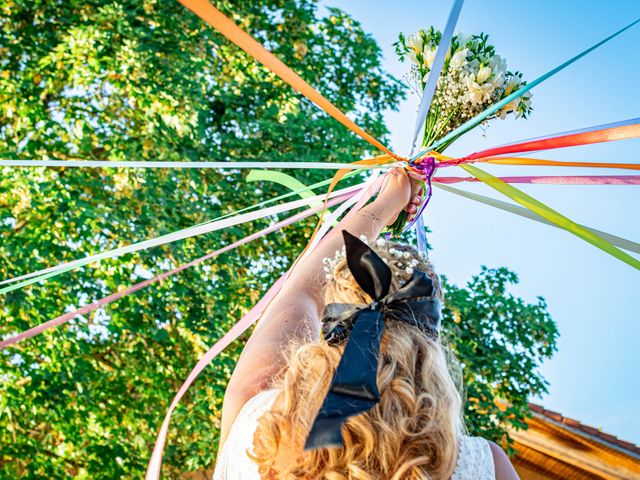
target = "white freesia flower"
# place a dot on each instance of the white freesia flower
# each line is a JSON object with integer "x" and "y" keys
{"x": 415, "y": 42}
{"x": 511, "y": 107}
{"x": 429, "y": 55}
{"x": 478, "y": 93}
{"x": 512, "y": 85}
{"x": 483, "y": 74}
{"x": 459, "y": 59}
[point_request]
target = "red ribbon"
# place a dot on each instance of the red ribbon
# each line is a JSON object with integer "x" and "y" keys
{"x": 622, "y": 132}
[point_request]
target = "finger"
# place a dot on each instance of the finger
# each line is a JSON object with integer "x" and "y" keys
{"x": 416, "y": 199}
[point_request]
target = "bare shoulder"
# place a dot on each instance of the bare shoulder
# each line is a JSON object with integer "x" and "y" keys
{"x": 504, "y": 467}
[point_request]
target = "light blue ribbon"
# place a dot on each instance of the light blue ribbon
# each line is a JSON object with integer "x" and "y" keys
{"x": 427, "y": 98}
{"x": 436, "y": 70}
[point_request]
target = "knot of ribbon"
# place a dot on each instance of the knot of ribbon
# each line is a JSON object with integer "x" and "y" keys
{"x": 427, "y": 167}
{"x": 354, "y": 387}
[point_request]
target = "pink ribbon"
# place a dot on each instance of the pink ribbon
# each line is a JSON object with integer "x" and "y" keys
{"x": 555, "y": 180}
{"x": 138, "y": 286}
{"x": 155, "y": 463}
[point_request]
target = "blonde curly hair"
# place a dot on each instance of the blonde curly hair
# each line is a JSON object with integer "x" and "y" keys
{"x": 412, "y": 433}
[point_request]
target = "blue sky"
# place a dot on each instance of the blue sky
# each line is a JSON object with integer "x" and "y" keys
{"x": 594, "y": 298}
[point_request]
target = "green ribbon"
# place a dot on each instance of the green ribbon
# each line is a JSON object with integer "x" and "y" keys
{"x": 523, "y": 212}
{"x": 548, "y": 213}
{"x": 292, "y": 183}
{"x": 288, "y": 181}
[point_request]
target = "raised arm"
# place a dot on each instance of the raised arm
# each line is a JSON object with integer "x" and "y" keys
{"x": 294, "y": 313}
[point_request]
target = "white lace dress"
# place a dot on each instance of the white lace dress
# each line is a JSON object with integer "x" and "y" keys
{"x": 474, "y": 458}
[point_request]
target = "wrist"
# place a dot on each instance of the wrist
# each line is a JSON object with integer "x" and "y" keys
{"x": 387, "y": 213}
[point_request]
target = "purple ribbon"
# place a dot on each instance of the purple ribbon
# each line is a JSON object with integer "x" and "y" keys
{"x": 428, "y": 168}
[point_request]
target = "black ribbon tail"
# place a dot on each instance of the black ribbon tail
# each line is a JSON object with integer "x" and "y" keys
{"x": 354, "y": 386}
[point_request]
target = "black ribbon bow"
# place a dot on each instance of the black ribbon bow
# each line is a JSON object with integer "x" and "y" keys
{"x": 354, "y": 388}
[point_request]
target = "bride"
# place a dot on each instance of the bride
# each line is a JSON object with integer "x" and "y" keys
{"x": 344, "y": 377}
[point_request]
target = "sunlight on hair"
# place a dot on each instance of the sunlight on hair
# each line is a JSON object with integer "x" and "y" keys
{"x": 415, "y": 430}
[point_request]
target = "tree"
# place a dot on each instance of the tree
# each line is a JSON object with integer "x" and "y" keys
{"x": 501, "y": 341}
{"x": 148, "y": 80}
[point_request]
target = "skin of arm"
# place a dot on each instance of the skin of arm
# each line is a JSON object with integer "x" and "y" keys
{"x": 295, "y": 312}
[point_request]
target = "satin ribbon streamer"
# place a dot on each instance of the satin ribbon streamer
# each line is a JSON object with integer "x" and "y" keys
{"x": 139, "y": 286}
{"x": 550, "y": 214}
{"x": 602, "y": 134}
{"x": 524, "y": 212}
{"x": 155, "y": 462}
{"x": 179, "y": 235}
{"x": 229, "y": 29}
{"x": 203, "y": 165}
{"x": 555, "y": 180}
{"x": 436, "y": 70}
{"x": 556, "y": 163}
{"x": 425, "y": 106}
{"x": 620, "y": 123}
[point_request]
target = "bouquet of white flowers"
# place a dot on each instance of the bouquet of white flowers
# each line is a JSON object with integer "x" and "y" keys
{"x": 472, "y": 79}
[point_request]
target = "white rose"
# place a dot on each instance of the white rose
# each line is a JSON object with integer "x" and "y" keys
{"x": 483, "y": 74}
{"x": 459, "y": 59}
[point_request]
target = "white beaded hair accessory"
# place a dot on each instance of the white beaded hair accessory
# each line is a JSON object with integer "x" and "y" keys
{"x": 401, "y": 259}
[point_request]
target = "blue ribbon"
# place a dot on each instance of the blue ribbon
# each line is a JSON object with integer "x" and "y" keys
{"x": 436, "y": 70}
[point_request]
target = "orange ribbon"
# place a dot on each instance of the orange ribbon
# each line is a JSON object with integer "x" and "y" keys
{"x": 246, "y": 42}
{"x": 556, "y": 163}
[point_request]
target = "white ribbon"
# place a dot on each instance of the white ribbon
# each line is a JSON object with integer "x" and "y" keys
{"x": 204, "y": 165}
{"x": 178, "y": 235}
{"x": 427, "y": 97}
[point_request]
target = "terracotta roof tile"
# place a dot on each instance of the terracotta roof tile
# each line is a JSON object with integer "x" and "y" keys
{"x": 576, "y": 424}
{"x": 570, "y": 422}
